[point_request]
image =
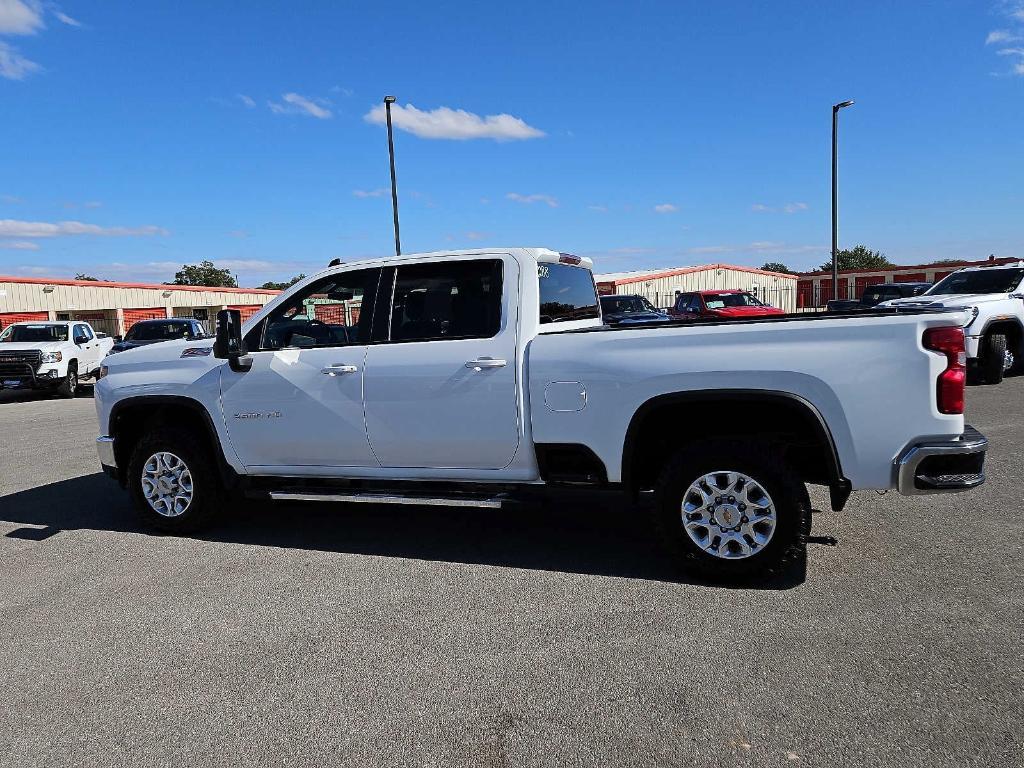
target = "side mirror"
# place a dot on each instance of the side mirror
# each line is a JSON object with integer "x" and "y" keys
{"x": 228, "y": 345}
{"x": 81, "y": 338}
{"x": 118, "y": 339}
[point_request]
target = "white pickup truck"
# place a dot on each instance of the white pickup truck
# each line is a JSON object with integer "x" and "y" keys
{"x": 472, "y": 377}
{"x": 994, "y": 296}
{"x": 51, "y": 355}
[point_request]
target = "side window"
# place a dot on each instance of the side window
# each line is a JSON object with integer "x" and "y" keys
{"x": 447, "y": 300}
{"x": 83, "y": 330}
{"x": 695, "y": 304}
{"x": 327, "y": 313}
{"x": 682, "y": 302}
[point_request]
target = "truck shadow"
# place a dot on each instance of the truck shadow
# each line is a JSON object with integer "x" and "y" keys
{"x": 587, "y": 536}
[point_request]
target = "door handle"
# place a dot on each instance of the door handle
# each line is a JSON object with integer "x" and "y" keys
{"x": 485, "y": 362}
{"x": 334, "y": 370}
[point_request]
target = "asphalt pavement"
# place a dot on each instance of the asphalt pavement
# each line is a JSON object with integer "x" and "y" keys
{"x": 547, "y": 635}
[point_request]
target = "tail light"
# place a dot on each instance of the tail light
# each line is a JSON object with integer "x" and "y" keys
{"x": 950, "y": 386}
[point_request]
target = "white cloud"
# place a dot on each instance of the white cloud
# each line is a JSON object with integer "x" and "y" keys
{"x": 65, "y": 19}
{"x": 665, "y": 208}
{"x": 794, "y": 207}
{"x": 15, "y": 228}
{"x": 530, "y": 199}
{"x": 447, "y": 123}
{"x": 11, "y": 199}
{"x": 13, "y": 65}
{"x": 294, "y": 104}
{"x": 787, "y": 208}
{"x": 20, "y": 245}
{"x": 20, "y": 17}
{"x": 761, "y": 208}
{"x": 380, "y": 192}
{"x": 477, "y": 235}
{"x": 759, "y": 247}
{"x": 248, "y": 101}
{"x": 997, "y": 36}
{"x": 598, "y": 208}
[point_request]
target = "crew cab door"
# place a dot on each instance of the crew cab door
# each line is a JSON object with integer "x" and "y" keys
{"x": 440, "y": 383}
{"x": 301, "y": 403}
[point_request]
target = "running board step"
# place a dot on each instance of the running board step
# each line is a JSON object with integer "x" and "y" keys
{"x": 383, "y": 498}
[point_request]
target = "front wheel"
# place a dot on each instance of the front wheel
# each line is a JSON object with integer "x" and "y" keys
{"x": 69, "y": 385}
{"x": 729, "y": 510}
{"x": 173, "y": 481}
{"x": 995, "y": 361}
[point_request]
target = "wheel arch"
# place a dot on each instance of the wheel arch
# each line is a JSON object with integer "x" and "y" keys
{"x": 783, "y": 417}
{"x": 1010, "y": 326}
{"x": 132, "y": 417}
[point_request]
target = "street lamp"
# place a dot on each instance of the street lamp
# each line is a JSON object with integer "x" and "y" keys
{"x": 835, "y": 194}
{"x": 388, "y": 101}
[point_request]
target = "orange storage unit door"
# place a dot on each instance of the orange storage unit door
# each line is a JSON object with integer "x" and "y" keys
{"x": 132, "y": 316}
{"x": 910, "y": 277}
{"x": 247, "y": 310}
{"x": 6, "y": 318}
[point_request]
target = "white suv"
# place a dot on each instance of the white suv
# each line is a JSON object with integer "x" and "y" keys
{"x": 995, "y": 297}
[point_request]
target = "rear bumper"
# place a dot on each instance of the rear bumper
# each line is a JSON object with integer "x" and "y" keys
{"x": 943, "y": 466}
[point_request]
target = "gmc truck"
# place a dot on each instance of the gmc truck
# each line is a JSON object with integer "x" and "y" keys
{"x": 52, "y": 356}
{"x": 477, "y": 378}
{"x": 994, "y": 297}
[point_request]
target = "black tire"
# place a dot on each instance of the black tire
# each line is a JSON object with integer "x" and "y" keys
{"x": 993, "y": 358}
{"x": 69, "y": 384}
{"x": 760, "y": 463}
{"x": 207, "y": 494}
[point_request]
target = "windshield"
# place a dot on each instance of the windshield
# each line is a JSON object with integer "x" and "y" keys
{"x": 978, "y": 281}
{"x": 40, "y": 332}
{"x": 159, "y": 331}
{"x": 720, "y": 300}
{"x": 619, "y": 305}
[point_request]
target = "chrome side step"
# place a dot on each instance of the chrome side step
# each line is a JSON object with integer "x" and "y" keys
{"x": 380, "y": 498}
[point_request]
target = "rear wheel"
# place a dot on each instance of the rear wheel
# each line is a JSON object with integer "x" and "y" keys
{"x": 995, "y": 359}
{"x": 69, "y": 386}
{"x": 730, "y": 510}
{"x": 173, "y": 481}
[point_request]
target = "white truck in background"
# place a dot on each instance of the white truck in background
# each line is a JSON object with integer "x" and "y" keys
{"x": 471, "y": 377}
{"x": 994, "y": 297}
{"x": 51, "y": 355}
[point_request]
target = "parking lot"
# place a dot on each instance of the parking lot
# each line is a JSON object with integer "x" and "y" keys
{"x": 557, "y": 635}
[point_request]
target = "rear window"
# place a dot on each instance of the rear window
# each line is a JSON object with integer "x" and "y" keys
{"x": 566, "y": 293}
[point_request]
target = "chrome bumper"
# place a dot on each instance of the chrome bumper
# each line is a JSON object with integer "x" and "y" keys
{"x": 943, "y": 466}
{"x": 105, "y": 448}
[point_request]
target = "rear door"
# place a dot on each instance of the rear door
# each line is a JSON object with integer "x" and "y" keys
{"x": 441, "y": 382}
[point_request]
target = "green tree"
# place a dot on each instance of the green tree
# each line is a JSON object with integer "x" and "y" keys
{"x": 777, "y": 266}
{"x": 860, "y": 257}
{"x": 204, "y": 273}
{"x": 83, "y": 276}
{"x": 274, "y": 286}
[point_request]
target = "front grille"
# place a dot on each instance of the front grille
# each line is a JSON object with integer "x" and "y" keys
{"x": 20, "y": 362}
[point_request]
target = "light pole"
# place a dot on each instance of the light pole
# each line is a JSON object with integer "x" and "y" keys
{"x": 388, "y": 101}
{"x": 835, "y": 194}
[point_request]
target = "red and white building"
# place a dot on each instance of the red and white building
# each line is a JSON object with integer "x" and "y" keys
{"x": 814, "y": 289}
{"x": 114, "y": 307}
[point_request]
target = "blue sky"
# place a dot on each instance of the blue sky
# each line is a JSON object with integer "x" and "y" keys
{"x": 135, "y": 137}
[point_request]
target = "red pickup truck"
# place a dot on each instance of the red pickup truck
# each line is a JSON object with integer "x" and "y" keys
{"x": 721, "y": 303}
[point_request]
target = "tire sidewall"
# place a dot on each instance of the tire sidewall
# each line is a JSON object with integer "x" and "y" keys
{"x": 788, "y": 495}
{"x": 206, "y": 494}
{"x": 994, "y": 358}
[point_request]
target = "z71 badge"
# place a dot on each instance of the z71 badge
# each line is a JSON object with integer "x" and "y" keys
{"x": 258, "y": 415}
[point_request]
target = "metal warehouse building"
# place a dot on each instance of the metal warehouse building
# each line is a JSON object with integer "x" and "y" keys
{"x": 660, "y": 286}
{"x": 114, "y": 307}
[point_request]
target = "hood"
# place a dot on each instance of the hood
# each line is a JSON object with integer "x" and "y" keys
{"x": 954, "y": 300}
{"x": 121, "y": 346}
{"x": 745, "y": 311}
{"x": 42, "y": 346}
{"x": 164, "y": 352}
